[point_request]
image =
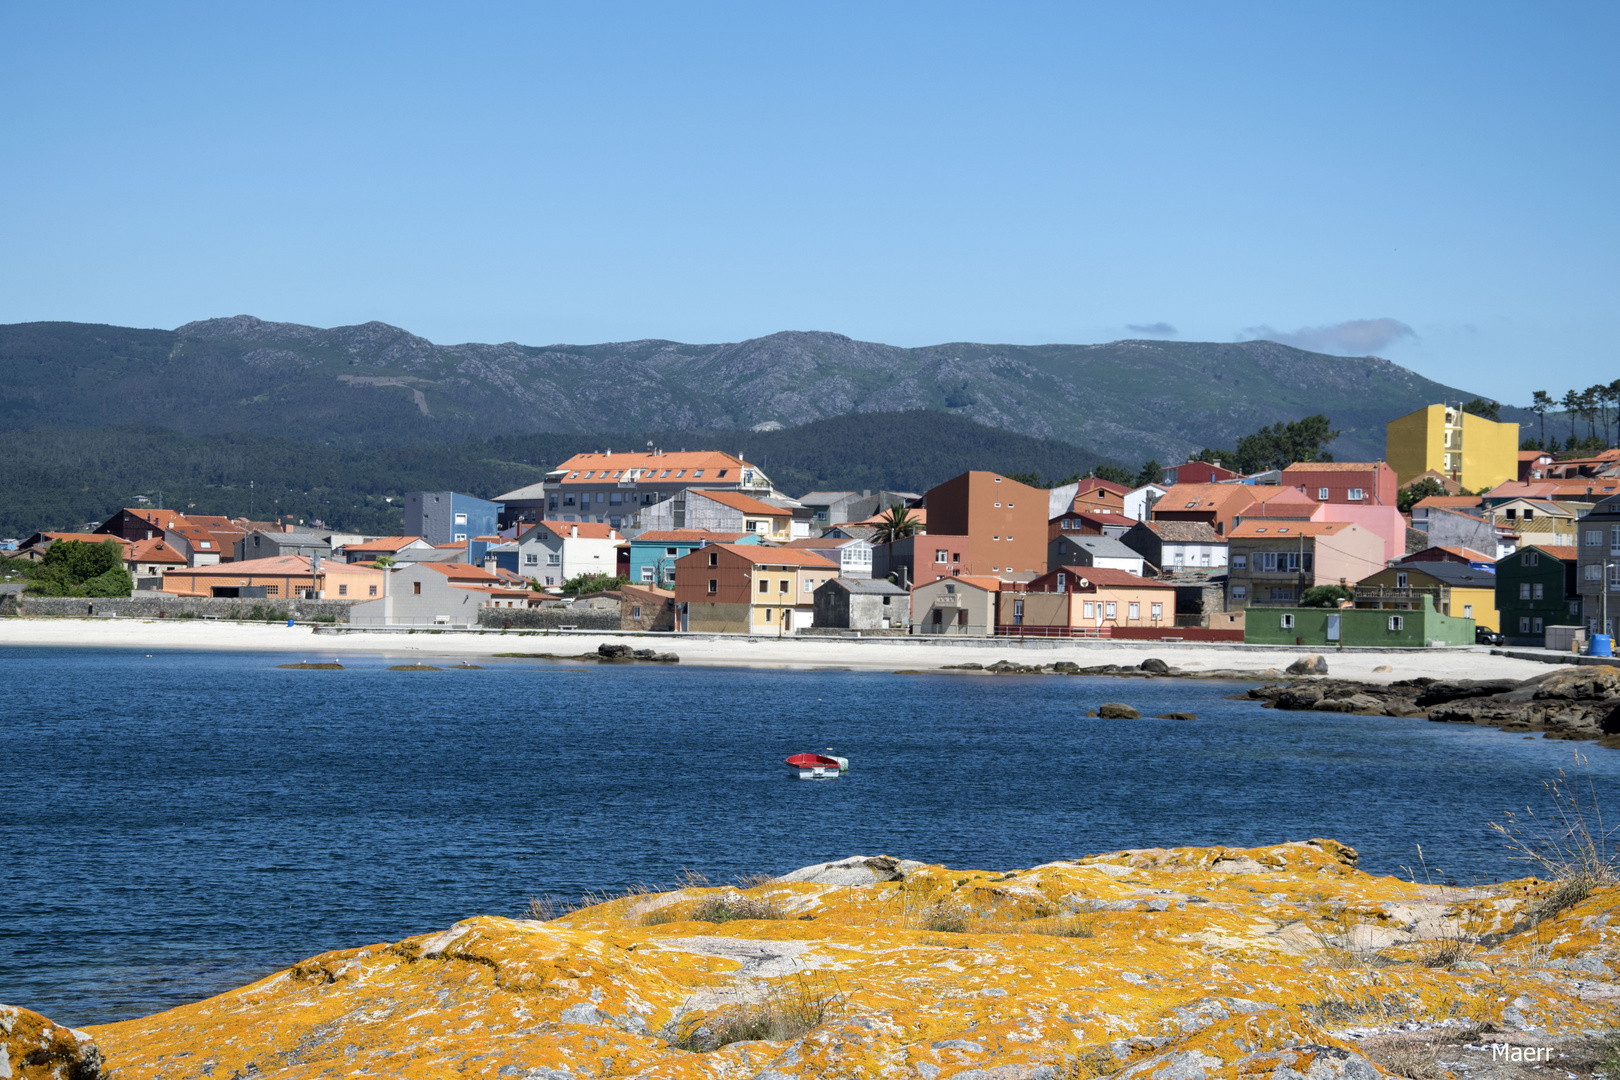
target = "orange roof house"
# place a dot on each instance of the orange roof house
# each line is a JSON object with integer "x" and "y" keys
{"x": 152, "y": 558}
{"x": 281, "y": 577}
{"x": 394, "y": 547}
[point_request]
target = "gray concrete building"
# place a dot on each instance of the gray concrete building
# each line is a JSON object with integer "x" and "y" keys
{"x": 862, "y": 604}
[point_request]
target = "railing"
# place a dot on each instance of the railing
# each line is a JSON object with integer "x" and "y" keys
{"x": 1392, "y": 592}
{"x": 1054, "y": 631}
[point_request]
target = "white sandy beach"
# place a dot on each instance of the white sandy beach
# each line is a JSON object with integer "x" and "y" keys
{"x": 911, "y": 654}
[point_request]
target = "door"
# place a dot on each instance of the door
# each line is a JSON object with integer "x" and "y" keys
{"x": 1333, "y": 628}
{"x": 685, "y": 617}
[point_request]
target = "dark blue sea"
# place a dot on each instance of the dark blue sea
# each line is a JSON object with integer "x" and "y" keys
{"x": 175, "y": 825}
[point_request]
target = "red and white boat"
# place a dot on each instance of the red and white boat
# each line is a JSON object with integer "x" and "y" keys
{"x": 817, "y": 766}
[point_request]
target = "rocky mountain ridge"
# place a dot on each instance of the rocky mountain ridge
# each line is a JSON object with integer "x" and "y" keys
{"x": 376, "y": 383}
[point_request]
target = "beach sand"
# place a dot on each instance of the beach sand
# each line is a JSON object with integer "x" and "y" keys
{"x": 870, "y": 654}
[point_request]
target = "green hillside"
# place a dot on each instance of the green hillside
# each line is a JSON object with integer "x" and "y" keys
{"x": 68, "y": 478}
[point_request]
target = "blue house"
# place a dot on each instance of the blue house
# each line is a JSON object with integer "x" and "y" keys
{"x": 653, "y": 554}
{"x": 447, "y": 517}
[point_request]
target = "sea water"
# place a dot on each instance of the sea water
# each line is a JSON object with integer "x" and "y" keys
{"x": 175, "y": 825}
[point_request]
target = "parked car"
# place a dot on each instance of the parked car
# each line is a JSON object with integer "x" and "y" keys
{"x": 1484, "y": 635}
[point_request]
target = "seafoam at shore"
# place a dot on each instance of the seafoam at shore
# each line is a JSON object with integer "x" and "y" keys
{"x": 876, "y": 654}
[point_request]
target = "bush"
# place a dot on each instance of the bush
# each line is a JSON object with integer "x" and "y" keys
{"x": 1328, "y": 596}
{"x": 77, "y": 568}
{"x": 790, "y": 1010}
{"x": 733, "y": 907}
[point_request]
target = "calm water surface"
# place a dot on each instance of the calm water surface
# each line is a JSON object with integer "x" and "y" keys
{"x": 175, "y": 825}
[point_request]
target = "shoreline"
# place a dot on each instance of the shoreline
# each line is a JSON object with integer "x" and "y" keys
{"x": 861, "y": 654}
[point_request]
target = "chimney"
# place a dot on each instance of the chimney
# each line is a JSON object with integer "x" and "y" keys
{"x": 573, "y": 530}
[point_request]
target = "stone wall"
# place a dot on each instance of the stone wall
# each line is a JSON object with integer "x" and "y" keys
{"x": 547, "y": 618}
{"x": 148, "y": 605}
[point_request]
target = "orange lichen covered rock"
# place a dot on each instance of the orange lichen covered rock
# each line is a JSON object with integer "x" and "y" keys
{"x": 34, "y": 1048}
{"x": 1185, "y": 963}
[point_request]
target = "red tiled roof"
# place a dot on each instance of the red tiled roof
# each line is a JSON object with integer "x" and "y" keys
{"x": 1099, "y": 575}
{"x": 277, "y": 566}
{"x": 760, "y": 555}
{"x": 594, "y": 468}
{"x": 1255, "y": 529}
{"x": 154, "y": 550}
{"x": 586, "y": 530}
{"x": 1094, "y": 483}
{"x": 1332, "y": 466}
{"x": 1566, "y": 552}
{"x": 387, "y": 545}
{"x": 917, "y": 514}
{"x": 460, "y": 572}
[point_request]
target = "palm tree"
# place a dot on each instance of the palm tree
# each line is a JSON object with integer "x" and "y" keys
{"x": 1542, "y": 402}
{"x": 895, "y": 524}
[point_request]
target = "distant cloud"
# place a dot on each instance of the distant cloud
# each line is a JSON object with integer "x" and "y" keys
{"x": 1357, "y": 337}
{"x": 1153, "y": 329}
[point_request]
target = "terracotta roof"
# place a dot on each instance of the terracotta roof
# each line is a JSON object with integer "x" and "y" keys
{"x": 594, "y": 468}
{"x": 1185, "y": 532}
{"x": 214, "y": 523}
{"x": 154, "y": 550}
{"x": 738, "y": 501}
{"x": 386, "y": 545}
{"x": 1094, "y": 483}
{"x": 988, "y": 584}
{"x": 1214, "y": 497}
{"x": 586, "y": 530}
{"x": 1333, "y": 466}
{"x": 1449, "y": 502}
{"x": 276, "y": 566}
{"x": 688, "y": 536}
{"x": 1098, "y": 575}
{"x": 1532, "y": 455}
{"x": 760, "y": 555}
{"x": 87, "y": 538}
{"x": 1470, "y": 554}
{"x": 160, "y": 518}
{"x": 459, "y": 572}
{"x": 1566, "y": 552}
{"x": 1272, "y": 530}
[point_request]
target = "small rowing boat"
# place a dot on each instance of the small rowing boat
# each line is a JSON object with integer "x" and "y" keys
{"x": 816, "y": 766}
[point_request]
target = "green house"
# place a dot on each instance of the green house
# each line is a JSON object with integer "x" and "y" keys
{"x": 1356, "y": 627}
{"x": 1535, "y": 589}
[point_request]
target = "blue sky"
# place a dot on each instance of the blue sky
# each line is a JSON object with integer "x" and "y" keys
{"x": 1434, "y": 183}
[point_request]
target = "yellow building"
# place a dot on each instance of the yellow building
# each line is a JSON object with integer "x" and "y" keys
{"x": 1455, "y": 589}
{"x": 1475, "y": 452}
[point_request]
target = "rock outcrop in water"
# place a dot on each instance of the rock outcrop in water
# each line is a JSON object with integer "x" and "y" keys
{"x": 1581, "y": 703}
{"x": 1187, "y": 963}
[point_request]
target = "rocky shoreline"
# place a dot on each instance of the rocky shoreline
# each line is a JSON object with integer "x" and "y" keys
{"x": 1577, "y": 703}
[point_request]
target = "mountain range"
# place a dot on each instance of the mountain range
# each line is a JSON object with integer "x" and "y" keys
{"x": 377, "y": 385}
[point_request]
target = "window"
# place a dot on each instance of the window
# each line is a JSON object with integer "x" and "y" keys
{"x": 1539, "y": 592}
{"x": 663, "y": 474}
{"x": 553, "y": 559}
{"x": 1065, "y": 523}
{"x": 679, "y": 473}
{"x": 1110, "y": 610}
{"x": 1594, "y": 571}
{"x": 1524, "y": 624}
{"x": 461, "y": 519}
{"x": 1135, "y": 610}
{"x": 568, "y": 501}
{"x": 714, "y": 586}
{"x": 205, "y": 543}
{"x": 1321, "y": 494}
{"x": 1397, "y": 622}
{"x": 1400, "y": 581}
{"x": 721, "y": 475}
{"x": 1240, "y": 592}
{"x": 1524, "y": 590}
{"x": 672, "y": 552}
{"x": 635, "y": 611}
{"x": 1268, "y": 562}
{"x": 1240, "y": 562}
{"x": 783, "y": 586}
{"x": 696, "y": 473}
{"x": 767, "y": 614}
{"x": 1062, "y": 581}
{"x": 1535, "y": 626}
{"x": 1090, "y": 609}
{"x": 1468, "y": 611}
{"x": 956, "y": 556}
{"x": 809, "y": 585}
{"x": 714, "y": 558}
{"x": 1531, "y": 558}
{"x": 646, "y": 575}
{"x": 961, "y": 618}
{"x": 1614, "y": 539}
{"x": 1614, "y": 576}
{"x": 272, "y": 590}
{"x": 1356, "y": 494}
{"x": 1594, "y": 537}
{"x": 998, "y": 505}
{"x": 416, "y": 588}
{"x": 1529, "y": 514}
{"x": 343, "y": 590}
{"x": 950, "y": 590}
{"x": 1287, "y": 622}
{"x": 764, "y": 585}
{"x": 373, "y": 590}
{"x": 588, "y": 475}
{"x": 601, "y": 497}
{"x": 459, "y": 538}
{"x": 939, "y": 556}
{"x": 550, "y": 580}
{"x": 616, "y": 499}
{"x": 938, "y": 616}
{"x": 1157, "y": 611}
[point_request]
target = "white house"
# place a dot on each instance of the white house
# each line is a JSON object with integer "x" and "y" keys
{"x": 1104, "y": 552}
{"x": 554, "y": 551}
{"x": 852, "y": 554}
{"x": 1140, "y": 501}
{"x": 1176, "y": 546}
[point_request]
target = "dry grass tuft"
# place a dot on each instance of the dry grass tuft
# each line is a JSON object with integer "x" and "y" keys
{"x": 791, "y": 1009}
{"x": 731, "y": 907}
{"x": 1571, "y": 846}
{"x": 753, "y": 881}
{"x": 947, "y": 917}
{"x": 1416, "y": 1061}
{"x": 1068, "y": 926}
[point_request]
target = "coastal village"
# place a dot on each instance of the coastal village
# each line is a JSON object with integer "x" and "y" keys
{"x": 1504, "y": 546}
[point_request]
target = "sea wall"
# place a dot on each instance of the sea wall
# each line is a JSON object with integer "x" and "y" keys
{"x": 169, "y": 606}
{"x": 548, "y": 618}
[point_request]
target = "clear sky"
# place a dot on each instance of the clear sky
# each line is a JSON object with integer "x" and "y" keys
{"x": 1435, "y": 183}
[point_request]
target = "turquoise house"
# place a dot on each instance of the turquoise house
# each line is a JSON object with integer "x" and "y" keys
{"x": 653, "y": 554}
